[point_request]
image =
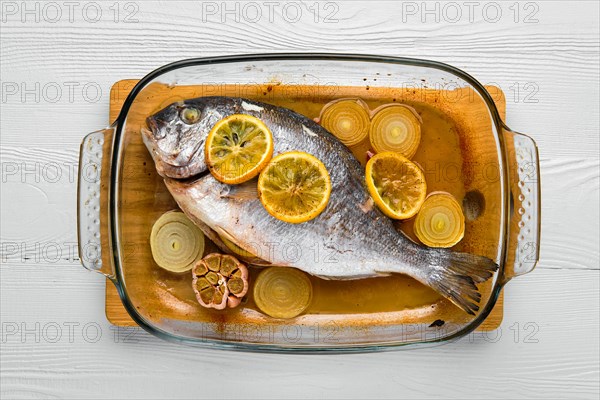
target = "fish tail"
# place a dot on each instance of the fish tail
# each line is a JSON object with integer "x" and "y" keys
{"x": 455, "y": 275}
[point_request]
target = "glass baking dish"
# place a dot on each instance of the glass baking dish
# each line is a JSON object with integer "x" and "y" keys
{"x": 120, "y": 195}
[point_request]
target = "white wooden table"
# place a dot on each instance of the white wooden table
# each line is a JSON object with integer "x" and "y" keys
{"x": 58, "y": 61}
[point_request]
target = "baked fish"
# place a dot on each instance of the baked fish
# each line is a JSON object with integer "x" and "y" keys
{"x": 350, "y": 239}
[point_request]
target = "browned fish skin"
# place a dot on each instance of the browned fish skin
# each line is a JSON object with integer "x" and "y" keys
{"x": 346, "y": 241}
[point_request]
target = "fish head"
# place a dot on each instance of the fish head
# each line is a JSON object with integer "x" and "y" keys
{"x": 175, "y": 137}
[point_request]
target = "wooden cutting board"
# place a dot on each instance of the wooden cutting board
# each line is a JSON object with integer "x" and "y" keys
{"x": 116, "y": 313}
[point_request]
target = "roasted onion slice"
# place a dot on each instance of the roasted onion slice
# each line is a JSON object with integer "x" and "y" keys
{"x": 176, "y": 243}
{"x": 397, "y": 128}
{"x": 346, "y": 119}
{"x": 440, "y": 221}
{"x": 282, "y": 292}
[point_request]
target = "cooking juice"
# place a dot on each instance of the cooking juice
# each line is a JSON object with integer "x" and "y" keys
{"x": 453, "y": 151}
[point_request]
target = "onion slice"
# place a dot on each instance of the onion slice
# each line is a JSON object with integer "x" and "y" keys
{"x": 440, "y": 222}
{"x": 176, "y": 243}
{"x": 346, "y": 119}
{"x": 282, "y": 292}
{"x": 395, "y": 127}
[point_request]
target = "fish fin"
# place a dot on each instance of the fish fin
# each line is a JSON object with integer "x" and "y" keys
{"x": 379, "y": 274}
{"x": 455, "y": 275}
{"x": 224, "y": 234}
{"x": 245, "y": 191}
{"x": 258, "y": 262}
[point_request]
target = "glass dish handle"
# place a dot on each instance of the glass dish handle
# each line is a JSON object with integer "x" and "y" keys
{"x": 524, "y": 228}
{"x": 89, "y": 207}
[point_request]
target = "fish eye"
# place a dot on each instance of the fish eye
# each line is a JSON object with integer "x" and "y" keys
{"x": 190, "y": 115}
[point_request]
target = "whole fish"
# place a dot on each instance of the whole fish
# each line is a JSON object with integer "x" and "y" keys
{"x": 350, "y": 239}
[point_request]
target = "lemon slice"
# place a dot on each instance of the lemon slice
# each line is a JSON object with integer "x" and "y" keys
{"x": 237, "y": 148}
{"x": 396, "y": 184}
{"x": 294, "y": 187}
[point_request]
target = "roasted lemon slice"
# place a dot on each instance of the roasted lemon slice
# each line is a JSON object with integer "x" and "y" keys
{"x": 294, "y": 187}
{"x": 237, "y": 148}
{"x": 396, "y": 184}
